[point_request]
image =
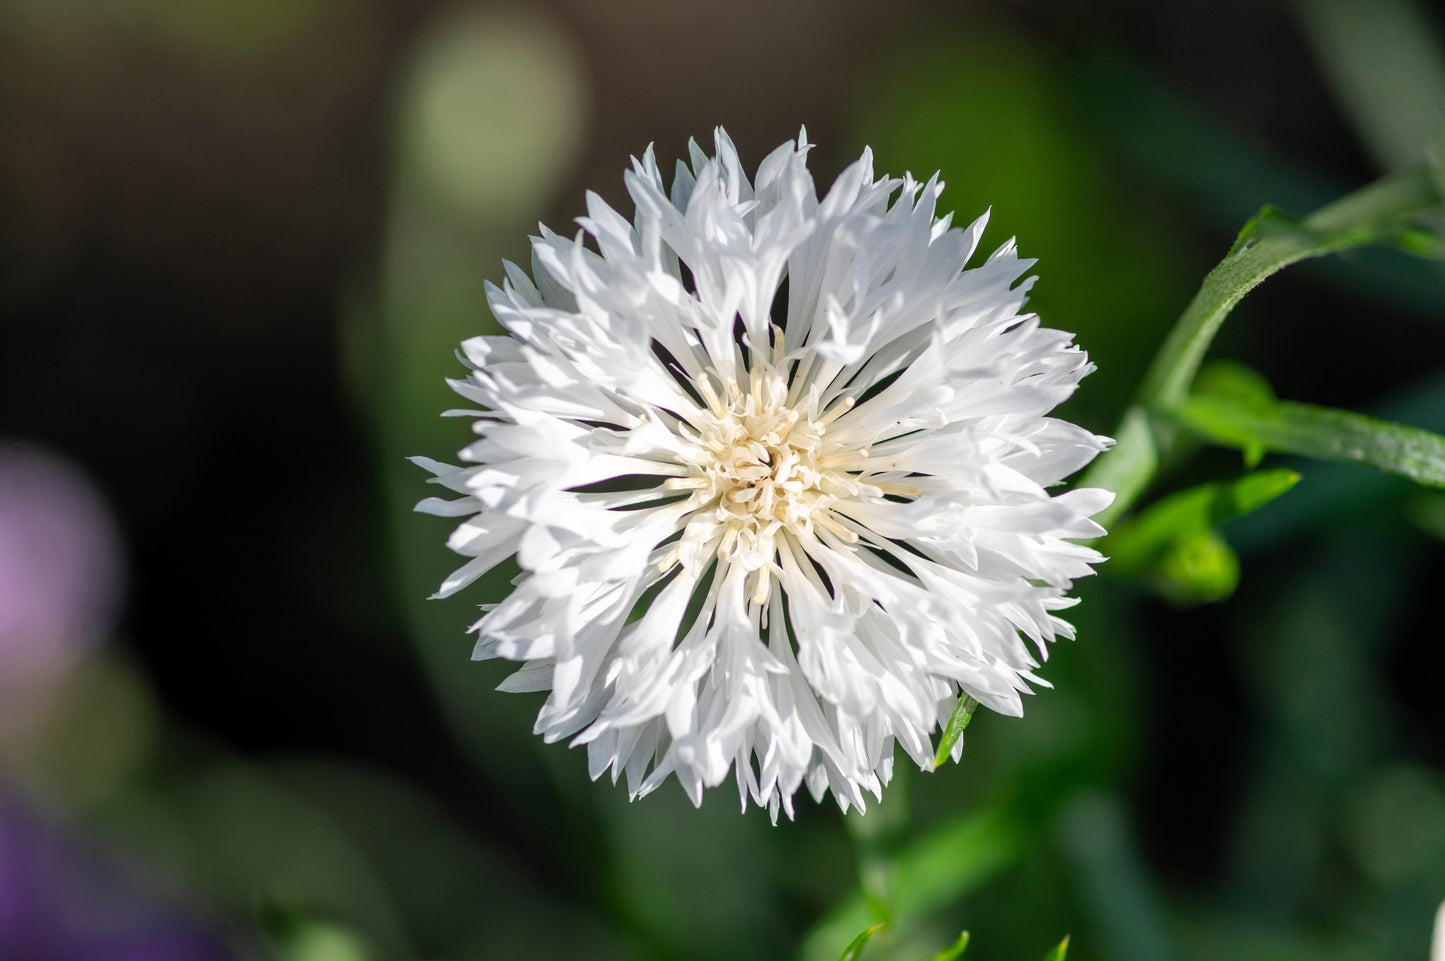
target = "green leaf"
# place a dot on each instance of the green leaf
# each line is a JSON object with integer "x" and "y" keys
{"x": 962, "y": 714}
{"x": 932, "y": 871}
{"x": 1059, "y": 951}
{"x": 1173, "y": 545}
{"x": 1320, "y": 432}
{"x": 856, "y": 946}
{"x": 1229, "y": 378}
{"x": 1424, "y": 243}
{"x": 1140, "y": 544}
{"x": 1270, "y": 221}
{"x": 954, "y": 951}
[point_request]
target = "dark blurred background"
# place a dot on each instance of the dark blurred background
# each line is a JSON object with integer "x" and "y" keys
{"x": 238, "y": 241}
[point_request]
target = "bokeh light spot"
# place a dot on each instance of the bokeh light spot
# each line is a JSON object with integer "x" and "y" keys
{"x": 492, "y": 113}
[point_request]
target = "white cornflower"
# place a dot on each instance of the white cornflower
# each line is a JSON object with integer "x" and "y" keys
{"x": 774, "y": 471}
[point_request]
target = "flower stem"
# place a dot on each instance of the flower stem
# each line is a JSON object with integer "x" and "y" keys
{"x": 1374, "y": 214}
{"x": 876, "y": 837}
{"x": 1383, "y": 212}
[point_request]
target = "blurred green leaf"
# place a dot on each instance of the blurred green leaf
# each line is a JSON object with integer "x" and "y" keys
{"x": 295, "y": 934}
{"x": 1170, "y": 137}
{"x": 1385, "y": 67}
{"x": 856, "y": 946}
{"x": 1321, "y": 432}
{"x": 954, "y": 951}
{"x": 1140, "y": 544}
{"x": 1126, "y": 919}
{"x": 962, "y": 714}
{"x": 955, "y": 859}
{"x": 936, "y": 869}
{"x": 1059, "y": 952}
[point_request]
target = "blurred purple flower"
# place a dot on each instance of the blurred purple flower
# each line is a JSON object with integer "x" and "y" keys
{"x": 63, "y": 898}
{"x": 61, "y": 568}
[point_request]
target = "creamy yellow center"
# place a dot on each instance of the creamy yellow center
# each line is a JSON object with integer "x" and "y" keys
{"x": 758, "y": 469}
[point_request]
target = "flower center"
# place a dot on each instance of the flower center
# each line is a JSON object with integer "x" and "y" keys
{"x": 760, "y": 469}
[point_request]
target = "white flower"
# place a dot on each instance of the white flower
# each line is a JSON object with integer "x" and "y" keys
{"x": 774, "y": 472}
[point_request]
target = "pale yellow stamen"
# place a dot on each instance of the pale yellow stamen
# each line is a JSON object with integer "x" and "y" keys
{"x": 837, "y": 410}
{"x": 704, "y": 387}
{"x": 758, "y": 471}
{"x": 844, "y": 457}
{"x": 827, "y": 520}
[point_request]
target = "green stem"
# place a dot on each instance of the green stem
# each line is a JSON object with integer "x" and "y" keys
{"x": 1379, "y": 213}
{"x": 876, "y": 837}
{"x": 1373, "y": 214}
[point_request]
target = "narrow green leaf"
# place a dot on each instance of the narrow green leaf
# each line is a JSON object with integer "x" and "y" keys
{"x": 1270, "y": 221}
{"x": 962, "y": 714}
{"x": 1423, "y": 243}
{"x": 954, "y": 951}
{"x": 1138, "y": 546}
{"x": 1059, "y": 951}
{"x": 1320, "y": 432}
{"x": 1230, "y": 378}
{"x": 856, "y": 946}
{"x": 1227, "y": 378}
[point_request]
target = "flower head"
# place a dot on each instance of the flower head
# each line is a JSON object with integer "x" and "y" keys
{"x": 774, "y": 471}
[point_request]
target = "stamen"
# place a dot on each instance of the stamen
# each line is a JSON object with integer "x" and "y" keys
{"x": 729, "y": 539}
{"x": 764, "y": 475}
{"x": 826, "y": 519}
{"x": 760, "y": 590}
{"x": 844, "y": 457}
{"x": 704, "y": 387}
{"x": 838, "y": 410}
